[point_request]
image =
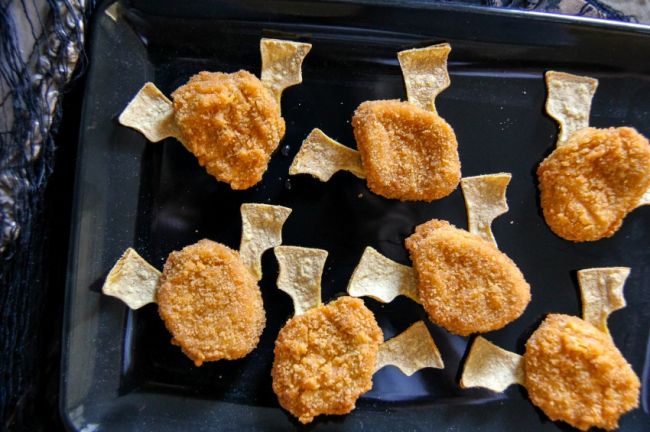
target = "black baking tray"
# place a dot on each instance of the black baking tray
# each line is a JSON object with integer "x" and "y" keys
{"x": 119, "y": 370}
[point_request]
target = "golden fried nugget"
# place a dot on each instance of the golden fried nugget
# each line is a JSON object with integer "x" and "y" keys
{"x": 231, "y": 123}
{"x": 593, "y": 181}
{"x": 210, "y": 303}
{"x": 408, "y": 153}
{"x": 325, "y": 359}
{"x": 575, "y": 373}
{"x": 465, "y": 283}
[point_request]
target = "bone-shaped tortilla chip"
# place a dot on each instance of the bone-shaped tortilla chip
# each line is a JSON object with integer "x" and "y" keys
{"x": 601, "y": 290}
{"x": 491, "y": 367}
{"x": 282, "y": 64}
{"x": 410, "y": 351}
{"x": 300, "y": 275}
{"x": 569, "y": 101}
{"x": 151, "y": 114}
{"x": 321, "y": 157}
{"x": 425, "y": 74}
{"x": 261, "y": 230}
{"x": 133, "y": 280}
{"x": 381, "y": 278}
{"x": 485, "y": 199}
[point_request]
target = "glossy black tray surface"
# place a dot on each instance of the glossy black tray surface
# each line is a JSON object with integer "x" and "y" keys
{"x": 119, "y": 370}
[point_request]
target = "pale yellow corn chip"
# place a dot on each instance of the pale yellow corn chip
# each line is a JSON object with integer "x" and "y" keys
{"x": 261, "y": 230}
{"x": 491, "y": 367}
{"x": 485, "y": 199}
{"x": 300, "y": 275}
{"x": 410, "y": 351}
{"x": 282, "y": 64}
{"x": 601, "y": 290}
{"x": 425, "y": 74}
{"x": 569, "y": 101}
{"x": 321, "y": 157}
{"x": 133, "y": 280}
{"x": 150, "y": 113}
{"x": 382, "y": 279}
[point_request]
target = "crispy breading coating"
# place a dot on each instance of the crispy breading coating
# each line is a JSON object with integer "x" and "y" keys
{"x": 408, "y": 153}
{"x": 593, "y": 181}
{"x": 575, "y": 373}
{"x": 210, "y": 303}
{"x": 231, "y": 123}
{"x": 465, "y": 283}
{"x": 325, "y": 359}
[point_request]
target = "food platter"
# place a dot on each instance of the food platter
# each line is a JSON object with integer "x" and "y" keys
{"x": 119, "y": 370}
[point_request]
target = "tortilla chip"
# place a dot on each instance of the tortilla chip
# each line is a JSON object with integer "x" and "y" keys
{"x": 321, "y": 157}
{"x": 601, "y": 290}
{"x": 569, "y": 101}
{"x": 645, "y": 199}
{"x": 261, "y": 230}
{"x": 485, "y": 199}
{"x": 410, "y": 351}
{"x": 382, "y": 279}
{"x": 133, "y": 280}
{"x": 282, "y": 64}
{"x": 491, "y": 367}
{"x": 113, "y": 11}
{"x": 150, "y": 113}
{"x": 300, "y": 275}
{"x": 425, "y": 74}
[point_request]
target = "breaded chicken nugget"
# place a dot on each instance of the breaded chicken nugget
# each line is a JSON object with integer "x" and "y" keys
{"x": 575, "y": 373}
{"x": 593, "y": 181}
{"x": 210, "y": 303}
{"x": 465, "y": 283}
{"x": 231, "y": 123}
{"x": 408, "y": 153}
{"x": 325, "y": 359}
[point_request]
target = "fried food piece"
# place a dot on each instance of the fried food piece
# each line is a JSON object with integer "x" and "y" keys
{"x": 575, "y": 373}
{"x": 325, "y": 359}
{"x": 465, "y": 283}
{"x": 231, "y": 123}
{"x": 593, "y": 181}
{"x": 210, "y": 303}
{"x": 408, "y": 153}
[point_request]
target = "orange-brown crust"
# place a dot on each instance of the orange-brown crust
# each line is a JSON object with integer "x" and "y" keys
{"x": 465, "y": 283}
{"x": 408, "y": 153}
{"x": 575, "y": 373}
{"x": 325, "y": 359}
{"x": 593, "y": 181}
{"x": 231, "y": 123}
{"x": 210, "y": 303}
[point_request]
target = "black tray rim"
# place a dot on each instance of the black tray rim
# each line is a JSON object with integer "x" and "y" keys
{"x": 100, "y": 9}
